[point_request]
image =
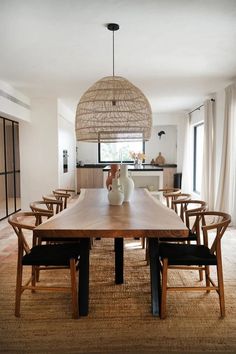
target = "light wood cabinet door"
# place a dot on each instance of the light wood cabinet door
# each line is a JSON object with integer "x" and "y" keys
{"x": 97, "y": 178}
{"x": 84, "y": 178}
{"x": 168, "y": 177}
{"x": 89, "y": 178}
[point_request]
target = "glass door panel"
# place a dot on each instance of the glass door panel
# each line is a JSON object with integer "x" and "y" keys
{"x": 17, "y": 178}
{"x": 2, "y": 159}
{"x": 9, "y": 168}
{"x": 16, "y": 147}
{"x": 3, "y": 211}
{"x": 9, "y": 146}
{"x": 10, "y": 194}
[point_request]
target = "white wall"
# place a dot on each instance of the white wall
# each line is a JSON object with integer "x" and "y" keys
{"x": 167, "y": 144}
{"x": 42, "y": 142}
{"x": 179, "y": 120}
{"x": 39, "y": 151}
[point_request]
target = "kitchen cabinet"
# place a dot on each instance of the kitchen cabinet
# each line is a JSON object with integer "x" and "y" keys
{"x": 89, "y": 178}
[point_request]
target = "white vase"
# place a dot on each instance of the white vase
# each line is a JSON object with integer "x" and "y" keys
{"x": 115, "y": 194}
{"x": 126, "y": 182}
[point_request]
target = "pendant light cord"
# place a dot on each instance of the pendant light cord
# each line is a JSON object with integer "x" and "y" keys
{"x": 113, "y": 53}
{"x": 113, "y": 27}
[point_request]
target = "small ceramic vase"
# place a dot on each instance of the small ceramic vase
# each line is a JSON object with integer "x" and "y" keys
{"x": 112, "y": 174}
{"x": 115, "y": 194}
{"x": 126, "y": 182}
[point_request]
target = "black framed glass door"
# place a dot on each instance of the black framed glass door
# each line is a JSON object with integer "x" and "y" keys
{"x": 9, "y": 168}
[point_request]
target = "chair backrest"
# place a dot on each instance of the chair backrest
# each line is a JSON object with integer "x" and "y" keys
{"x": 167, "y": 192}
{"x": 53, "y": 204}
{"x": 65, "y": 190}
{"x": 171, "y": 197}
{"x": 24, "y": 221}
{"x": 183, "y": 206}
{"x": 40, "y": 206}
{"x": 63, "y": 196}
{"x": 214, "y": 223}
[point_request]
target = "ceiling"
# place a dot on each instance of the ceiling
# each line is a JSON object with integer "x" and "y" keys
{"x": 178, "y": 52}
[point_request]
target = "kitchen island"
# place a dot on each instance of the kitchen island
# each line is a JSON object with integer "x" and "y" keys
{"x": 144, "y": 176}
{"x": 93, "y": 175}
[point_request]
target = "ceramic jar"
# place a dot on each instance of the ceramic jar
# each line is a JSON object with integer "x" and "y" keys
{"x": 115, "y": 194}
{"x": 126, "y": 182}
{"x": 112, "y": 174}
{"x": 160, "y": 160}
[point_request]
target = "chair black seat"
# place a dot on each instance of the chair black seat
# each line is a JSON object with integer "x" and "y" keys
{"x": 52, "y": 254}
{"x": 182, "y": 254}
{"x": 191, "y": 237}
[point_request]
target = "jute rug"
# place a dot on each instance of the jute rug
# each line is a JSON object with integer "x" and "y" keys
{"x": 120, "y": 320}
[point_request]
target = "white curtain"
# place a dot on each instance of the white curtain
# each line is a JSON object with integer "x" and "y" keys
{"x": 187, "y": 173}
{"x": 226, "y": 196}
{"x": 208, "y": 163}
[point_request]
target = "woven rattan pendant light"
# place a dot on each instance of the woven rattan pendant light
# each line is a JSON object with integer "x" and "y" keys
{"x": 112, "y": 110}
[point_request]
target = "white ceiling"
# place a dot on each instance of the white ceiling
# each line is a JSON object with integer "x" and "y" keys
{"x": 178, "y": 52}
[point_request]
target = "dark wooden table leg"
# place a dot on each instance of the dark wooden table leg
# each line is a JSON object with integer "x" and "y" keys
{"x": 119, "y": 260}
{"x": 155, "y": 276}
{"x": 83, "y": 294}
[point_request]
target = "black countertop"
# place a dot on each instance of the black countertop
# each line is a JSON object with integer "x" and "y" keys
{"x": 145, "y": 167}
{"x": 140, "y": 168}
{"x": 92, "y": 165}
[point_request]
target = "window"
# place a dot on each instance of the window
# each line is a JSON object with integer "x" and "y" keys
{"x": 197, "y": 157}
{"x": 119, "y": 151}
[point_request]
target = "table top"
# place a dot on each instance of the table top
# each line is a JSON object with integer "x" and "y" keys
{"x": 92, "y": 216}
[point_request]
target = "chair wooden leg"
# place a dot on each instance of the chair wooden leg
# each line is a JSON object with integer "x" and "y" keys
{"x": 200, "y": 275}
{"x": 147, "y": 252}
{"x": 74, "y": 289}
{"x": 207, "y": 275}
{"x": 200, "y": 271}
{"x": 39, "y": 243}
{"x": 91, "y": 243}
{"x": 37, "y": 274}
{"x": 33, "y": 277}
{"x": 18, "y": 289}
{"x": 221, "y": 288}
{"x": 164, "y": 288}
{"x": 143, "y": 242}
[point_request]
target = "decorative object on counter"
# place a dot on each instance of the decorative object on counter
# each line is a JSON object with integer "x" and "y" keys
{"x": 152, "y": 162}
{"x": 113, "y": 109}
{"x": 160, "y": 133}
{"x": 126, "y": 182}
{"x": 112, "y": 174}
{"x": 138, "y": 158}
{"x": 160, "y": 160}
{"x": 151, "y": 188}
{"x": 115, "y": 194}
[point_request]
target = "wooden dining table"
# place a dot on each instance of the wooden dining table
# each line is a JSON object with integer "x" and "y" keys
{"x": 92, "y": 216}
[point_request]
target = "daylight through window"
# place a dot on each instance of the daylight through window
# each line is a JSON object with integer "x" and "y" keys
{"x": 119, "y": 151}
